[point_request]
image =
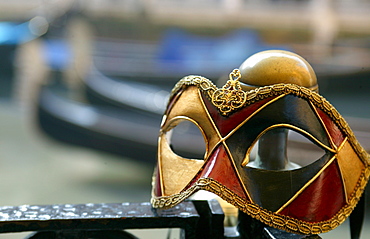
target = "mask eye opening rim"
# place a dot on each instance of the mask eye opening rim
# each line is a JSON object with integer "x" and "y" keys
{"x": 299, "y": 131}
{"x": 175, "y": 121}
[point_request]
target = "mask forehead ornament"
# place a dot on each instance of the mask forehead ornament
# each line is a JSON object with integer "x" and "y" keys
{"x": 231, "y": 96}
{"x": 311, "y": 199}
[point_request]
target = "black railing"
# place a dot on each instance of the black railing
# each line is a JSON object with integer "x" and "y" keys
{"x": 196, "y": 219}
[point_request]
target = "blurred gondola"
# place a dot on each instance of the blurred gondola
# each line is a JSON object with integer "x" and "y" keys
{"x": 110, "y": 94}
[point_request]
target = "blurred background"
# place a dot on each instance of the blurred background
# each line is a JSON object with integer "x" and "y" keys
{"x": 83, "y": 84}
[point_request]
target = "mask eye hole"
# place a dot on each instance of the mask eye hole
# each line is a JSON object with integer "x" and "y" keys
{"x": 186, "y": 140}
{"x": 300, "y": 151}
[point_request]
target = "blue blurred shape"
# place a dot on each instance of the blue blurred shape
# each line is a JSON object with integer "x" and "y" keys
{"x": 180, "y": 51}
{"x": 57, "y": 53}
{"x": 14, "y": 33}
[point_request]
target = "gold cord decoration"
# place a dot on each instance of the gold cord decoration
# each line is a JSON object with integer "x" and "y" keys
{"x": 230, "y": 96}
{"x": 270, "y": 218}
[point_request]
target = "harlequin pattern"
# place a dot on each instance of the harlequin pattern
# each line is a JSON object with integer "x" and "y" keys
{"x": 323, "y": 193}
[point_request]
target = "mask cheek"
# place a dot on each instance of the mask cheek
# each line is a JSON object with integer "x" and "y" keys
{"x": 175, "y": 172}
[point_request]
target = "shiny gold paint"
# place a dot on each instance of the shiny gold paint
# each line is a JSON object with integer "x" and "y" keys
{"x": 350, "y": 166}
{"x": 189, "y": 105}
{"x": 274, "y": 67}
{"x": 354, "y": 186}
{"x": 176, "y": 171}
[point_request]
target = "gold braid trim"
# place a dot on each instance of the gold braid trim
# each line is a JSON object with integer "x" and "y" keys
{"x": 201, "y": 82}
{"x": 267, "y": 217}
{"x": 207, "y": 87}
{"x": 270, "y": 218}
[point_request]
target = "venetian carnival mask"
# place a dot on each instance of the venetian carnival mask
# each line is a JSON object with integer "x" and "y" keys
{"x": 311, "y": 199}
